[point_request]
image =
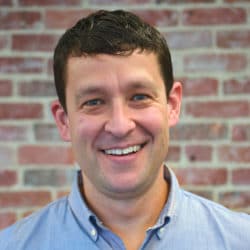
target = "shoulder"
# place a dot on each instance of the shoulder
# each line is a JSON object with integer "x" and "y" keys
{"x": 34, "y": 227}
{"x": 230, "y": 226}
{"x": 213, "y": 209}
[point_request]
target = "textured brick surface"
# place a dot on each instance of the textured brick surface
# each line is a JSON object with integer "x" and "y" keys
{"x": 19, "y": 19}
{"x": 44, "y": 155}
{"x": 204, "y": 176}
{"x": 214, "y": 16}
{"x": 36, "y": 88}
{"x": 213, "y": 131}
{"x": 199, "y": 86}
{"x": 189, "y": 39}
{"x": 21, "y": 65}
{"x": 234, "y": 39}
{"x": 52, "y": 177}
{"x": 209, "y": 148}
{"x": 234, "y": 153}
{"x": 20, "y": 111}
{"x": 241, "y": 132}
{"x": 34, "y": 42}
{"x": 49, "y": 2}
{"x": 215, "y": 62}
{"x": 6, "y": 219}
{"x": 5, "y": 88}
{"x": 7, "y": 177}
{"x": 24, "y": 198}
{"x": 237, "y": 86}
{"x": 13, "y": 133}
{"x": 46, "y": 132}
{"x": 235, "y": 199}
{"x": 218, "y": 109}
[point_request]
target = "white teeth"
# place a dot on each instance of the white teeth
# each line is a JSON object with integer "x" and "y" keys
{"x": 123, "y": 151}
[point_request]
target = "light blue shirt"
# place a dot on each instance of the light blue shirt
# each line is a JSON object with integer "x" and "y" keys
{"x": 187, "y": 222}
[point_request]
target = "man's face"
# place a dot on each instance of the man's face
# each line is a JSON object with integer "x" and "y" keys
{"x": 118, "y": 120}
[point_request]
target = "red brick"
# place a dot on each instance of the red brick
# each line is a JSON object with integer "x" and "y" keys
{"x": 21, "y": 111}
{"x": 202, "y": 193}
{"x": 184, "y": 1}
{"x": 27, "y": 213}
{"x": 236, "y": 1}
{"x": 50, "y": 67}
{"x": 104, "y": 2}
{"x": 5, "y": 87}
{"x": 49, "y": 2}
{"x": 214, "y": 16}
{"x": 215, "y": 62}
{"x": 44, "y": 155}
{"x": 233, "y": 39}
{"x": 236, "y": 199}
{"x": 49, "y": 177}
{"x": 32, "y": 42}
{"x": 20, "y": 19}
{"x": 7, "y": 156}
{"x": 5, "y": 2}
{"x": 241, "y": 176}
{"x": 225, "y": 109}
{"x": 237, "y": 86}
{"x": 46, "y": 132}
{"x": 6, "y": 219}
{"x": 36, "y": 88}
{"x": 214, "y": 131}
{"x": 201, "y": 176}
{"x": 199, "y": 86}
{"x": 189, "y": 39}
{"x": 234, "y": 153}
{"x": 24, "y": 198}
{"x": 241, "y": 132}
{"x": 3, "y": 42}
{"x": 13, "y": 133}
{"x": 63, "y": 193}
{"x": 198, "y": 153}
{"x": 8, "y": 177}
{"x": 21, "y": 65}
{"x": 159, "y": 18}
{"x": 173, "y": 153}
{"x": 63, "y": 18}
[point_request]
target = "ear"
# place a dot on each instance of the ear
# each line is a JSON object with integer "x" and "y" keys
{"x": 174, "y": 103}
{"x": 61, "y": 120}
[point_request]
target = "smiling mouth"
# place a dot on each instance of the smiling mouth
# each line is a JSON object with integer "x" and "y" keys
{"x": 123, "y": 151}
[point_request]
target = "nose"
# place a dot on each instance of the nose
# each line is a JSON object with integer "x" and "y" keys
{"x": 120, "y": 122}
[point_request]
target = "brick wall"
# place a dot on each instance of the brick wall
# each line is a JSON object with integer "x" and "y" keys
{"x": 210, "y": 150}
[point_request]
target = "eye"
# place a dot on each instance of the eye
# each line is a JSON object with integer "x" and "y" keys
{"x": 140, "y": 97}
{"x": 93, "y": 102}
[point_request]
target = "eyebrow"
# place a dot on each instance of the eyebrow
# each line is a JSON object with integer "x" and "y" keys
{"x": 143, "y": 85}
{"x": 89, "y": 90}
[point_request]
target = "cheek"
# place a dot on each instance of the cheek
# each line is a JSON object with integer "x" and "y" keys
{"x": 86, "y": 129}
{"x": 155, "y": 121}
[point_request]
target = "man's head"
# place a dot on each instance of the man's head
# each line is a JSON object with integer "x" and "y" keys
{"x": 117, "y": 101}
{"x": 109, "y": 32}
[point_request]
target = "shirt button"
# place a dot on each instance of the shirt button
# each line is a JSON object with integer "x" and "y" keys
{"x": 93, "y": 232}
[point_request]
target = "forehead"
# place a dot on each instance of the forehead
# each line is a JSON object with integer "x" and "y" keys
{"x": 105, "y": 69}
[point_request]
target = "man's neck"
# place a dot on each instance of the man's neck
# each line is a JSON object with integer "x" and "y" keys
{"x": 130, "y": 218}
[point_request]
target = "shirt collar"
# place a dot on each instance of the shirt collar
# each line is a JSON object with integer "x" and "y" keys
{"x": 89, "y": 221}
{"x": 169, "y": 212}
{"x": 82, "y": 213}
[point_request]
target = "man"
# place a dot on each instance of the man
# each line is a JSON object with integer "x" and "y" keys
{"x": 117, "y": 100}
